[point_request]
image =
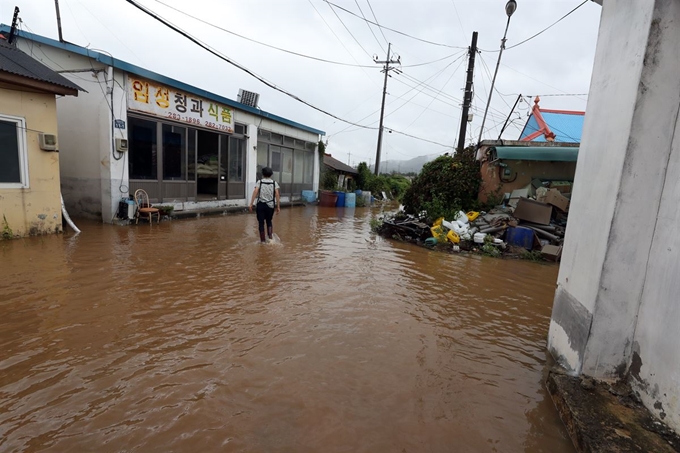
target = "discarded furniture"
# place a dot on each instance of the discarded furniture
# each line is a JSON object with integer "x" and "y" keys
{"x": 144, "y": 207}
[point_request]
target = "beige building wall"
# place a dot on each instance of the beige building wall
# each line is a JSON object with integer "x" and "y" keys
{"x": 37, "y": 208}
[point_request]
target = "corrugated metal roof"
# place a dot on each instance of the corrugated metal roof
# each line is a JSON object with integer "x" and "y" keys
{"x": 16, "y": 62}
{"x": 538, "y": 153}
{"x": 567, "y": 126}
{"x": 335, "y": 164}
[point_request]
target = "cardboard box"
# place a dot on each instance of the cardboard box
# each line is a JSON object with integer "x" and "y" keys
{"x": 516, "y": 195}
{"x": 541, "y": 192}
{"x": 533, "y": 211}
{"x": 551, "y": 252}
{"x": 555, "y": 198}
{"x": 562, "y": 186}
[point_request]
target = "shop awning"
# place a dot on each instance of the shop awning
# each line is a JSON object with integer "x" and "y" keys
{"x": 542, "y": 153}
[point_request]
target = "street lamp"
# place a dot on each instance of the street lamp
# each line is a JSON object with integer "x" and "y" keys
{"x": 510, "y": 9}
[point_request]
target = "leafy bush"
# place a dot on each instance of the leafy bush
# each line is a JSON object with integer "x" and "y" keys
{"x": 445, "y": 186}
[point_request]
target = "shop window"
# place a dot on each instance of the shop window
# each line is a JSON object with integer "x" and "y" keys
{"x": 236, "y": 154}
{"x": 264, "y": 135}
{"x": 276, "y": 159}
{"x": 299, "y": 166}
{"x": 143, "y": 153}
{"x": 13, "y": 157}
{"x": 309, "y": 168}
{"x": 262, "y": 158}
{"x": 191, "y": 159}
{"x": 240, "y": 129}
{"x": 174, "y": 152}
{"x": 287, "y": 166}
{"x": 277, "y": 138}
{"x": 288, "y": 141}
{"x": 300, "y": 144}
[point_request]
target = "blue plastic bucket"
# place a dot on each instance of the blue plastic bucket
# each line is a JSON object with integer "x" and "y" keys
{"x": 341, "y": 199}
{"x": 520, "y": 237}
{"x": 358, "y": 193}
{"x": 350, "y": 200}
{"x": 309, "y": 196}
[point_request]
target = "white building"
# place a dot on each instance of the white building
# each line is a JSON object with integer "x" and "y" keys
{"x": 136, "y": 129}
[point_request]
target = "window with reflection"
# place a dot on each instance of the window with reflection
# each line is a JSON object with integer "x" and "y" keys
{"x": 143, "y": 163}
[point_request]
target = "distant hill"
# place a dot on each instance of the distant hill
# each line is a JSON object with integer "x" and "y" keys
{"x": 406, "y": 166}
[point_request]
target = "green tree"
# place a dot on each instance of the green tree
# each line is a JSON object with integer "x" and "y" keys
{"x": 445, "y": 186}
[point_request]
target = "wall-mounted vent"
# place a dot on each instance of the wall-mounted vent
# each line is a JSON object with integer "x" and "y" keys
{"x": 47, "y": 142}
{"x": 248, "y": 98}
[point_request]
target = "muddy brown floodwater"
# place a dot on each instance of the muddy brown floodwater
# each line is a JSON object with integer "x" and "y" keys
{"x": 190, "y": 336}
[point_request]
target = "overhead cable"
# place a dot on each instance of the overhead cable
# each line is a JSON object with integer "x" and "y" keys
{"x": 548, "y": 27}
{"x": 239, "y": 66}
{"x": 540, "y": 32}
{"x": 333, "y": 5}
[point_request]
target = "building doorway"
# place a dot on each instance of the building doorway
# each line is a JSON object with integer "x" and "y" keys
{"x": 207, "y": 165}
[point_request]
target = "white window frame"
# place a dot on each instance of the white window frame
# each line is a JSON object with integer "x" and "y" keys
{"x": 23, "y": 153}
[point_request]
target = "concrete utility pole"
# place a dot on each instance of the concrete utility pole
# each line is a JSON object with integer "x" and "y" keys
{"x": 386, "y": 70}
{"x": 56, "y": 5}
{"x": 467, "y": 98}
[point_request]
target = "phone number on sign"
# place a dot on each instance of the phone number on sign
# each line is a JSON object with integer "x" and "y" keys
{"x": 221, "y": 127}
{"x": 198, "y": 122}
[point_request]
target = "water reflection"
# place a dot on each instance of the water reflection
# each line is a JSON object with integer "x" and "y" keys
{"x": 192, "y": 336}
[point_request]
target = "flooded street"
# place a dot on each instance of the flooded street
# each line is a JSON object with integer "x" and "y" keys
{"x": 190, "y": 336}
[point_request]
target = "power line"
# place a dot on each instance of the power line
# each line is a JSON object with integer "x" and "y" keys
{"x": 417, "y": 138}
{"x": 260, "y": 42}
{"x": 540, "y": 32}
{"x": 392, "y": 29}
{"x": 340, "y": 41}
{"x": 376, "y": 20}
{"x": 548, "y": 27}
{"x": 432, "y": 100}
{"x": 350, "y": 33}
{"x": 369, "y": 26}
{"x": 233, "y": 63}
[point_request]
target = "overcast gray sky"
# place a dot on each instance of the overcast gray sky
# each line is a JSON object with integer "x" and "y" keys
{"x": 556, "y": 64}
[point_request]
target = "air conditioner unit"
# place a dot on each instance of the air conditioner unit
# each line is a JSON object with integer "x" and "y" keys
{"x": 48, "y": 142}
{"x": 121, "y": 145}
{"x": 248, "y": 98}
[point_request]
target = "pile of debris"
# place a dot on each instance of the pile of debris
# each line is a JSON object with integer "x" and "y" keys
{"x": 531, "y": 221}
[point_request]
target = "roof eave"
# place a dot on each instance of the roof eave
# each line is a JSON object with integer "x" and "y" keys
{"x": 39, "y": 85}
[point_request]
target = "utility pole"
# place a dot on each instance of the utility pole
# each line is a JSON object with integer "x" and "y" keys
{"x": 56, "y": 5}
{"x": 13, "y": 30}
{"x": 386, "y": 70}
{"x": 467, "y": 98}
{"x": 509, "y": 115}
{"x": 349, "y": 156}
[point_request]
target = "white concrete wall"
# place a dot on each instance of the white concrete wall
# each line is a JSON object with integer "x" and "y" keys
{"x": 256, "y": 123}
{"x": 81, "y": 121}
{"x": 616, "y": 312}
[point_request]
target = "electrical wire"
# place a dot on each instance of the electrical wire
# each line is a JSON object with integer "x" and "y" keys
{"x": 392, "y": 29}
{"x": 432, "y": 100}
{"x": 310, "y": 57}
{"x": 350, "y": 33}
{"x": 540, "y": 32}
{"x": 369, "y": 26}
{"x": 237, "y": 65}
{"x": 418, "y": 138}
{"x": 548, "y": 27}
{"x": 341, "y": 42}
{"x": 263, "y": 43}
{"x": 376, "y": 20}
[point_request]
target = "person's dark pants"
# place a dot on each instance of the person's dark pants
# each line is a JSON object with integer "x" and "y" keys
{"x": 264, "y": 214}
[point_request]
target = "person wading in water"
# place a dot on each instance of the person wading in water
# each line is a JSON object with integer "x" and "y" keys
{"x": 268, "y": 199}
